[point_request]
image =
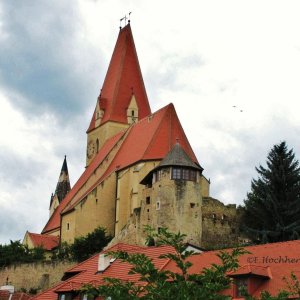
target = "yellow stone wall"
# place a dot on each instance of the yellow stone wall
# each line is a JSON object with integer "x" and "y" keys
{"x": 89, "y": 213}
{"x": 67, "y": 229}
{"x": 175, "y": 204}
{"x": 98, "y": 209}
{"x": 205, "y": 185}
{"x": 103, "y": 133}
{"x": 180, "y": 210}
{"x": 129, "y": 191}
{"x": 40, "y": 275}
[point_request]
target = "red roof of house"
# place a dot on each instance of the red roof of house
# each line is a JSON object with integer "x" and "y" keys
{"x": 123, "y": 78}
{"x": 149, "y": 139}
{"x": 272, "y": 261}
{"x": 48, "y": 242}
{"x": 88, "y": 269}
{"x": 5, "y": 295}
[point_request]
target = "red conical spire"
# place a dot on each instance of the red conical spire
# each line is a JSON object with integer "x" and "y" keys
{"x": 123, "y": 79}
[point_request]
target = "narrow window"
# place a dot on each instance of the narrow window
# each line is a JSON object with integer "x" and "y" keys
{"x": 147, "y": 200}
{"x": 154, "y": 177}
{"x": 132, "y": 113}
{"x": 157, "y": 205}
{"x": 97, "y": 145}
{"x": 68, "y": 226}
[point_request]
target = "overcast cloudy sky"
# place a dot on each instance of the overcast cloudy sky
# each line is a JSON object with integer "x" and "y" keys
{"x": 204, "y": 56}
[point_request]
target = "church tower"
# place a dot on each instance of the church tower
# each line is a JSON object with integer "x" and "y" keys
{"x": 62, "y": 188}
{"x": 123, "y": 99}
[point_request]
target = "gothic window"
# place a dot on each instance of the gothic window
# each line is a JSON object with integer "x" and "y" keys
{"x": 132, "y": 113}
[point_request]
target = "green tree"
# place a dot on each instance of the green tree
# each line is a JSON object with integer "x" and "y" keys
{"x": 16, "y": 252}
{"x": 272, "y": 208}
{"x": 83, "y": 247}
{"x": 164, "y": 284}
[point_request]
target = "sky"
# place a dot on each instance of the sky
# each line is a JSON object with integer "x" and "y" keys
{"x": 231, "y": 68}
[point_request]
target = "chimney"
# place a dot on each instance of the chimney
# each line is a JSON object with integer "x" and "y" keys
{"x": 103, "y": 262}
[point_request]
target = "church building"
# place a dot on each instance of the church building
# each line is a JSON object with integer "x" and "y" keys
{"x": 140, "y": 167}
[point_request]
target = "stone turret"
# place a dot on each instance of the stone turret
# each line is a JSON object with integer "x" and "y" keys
{"x": 172, "y": 196}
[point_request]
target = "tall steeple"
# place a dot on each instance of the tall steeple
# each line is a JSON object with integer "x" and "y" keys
{"x": 123, "y": 81}
{"x": 62, "y": 188}
{"x": 123, "y": 99}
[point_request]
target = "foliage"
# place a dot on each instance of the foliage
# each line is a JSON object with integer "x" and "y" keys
{"x": 16, "y": 252}
{"x": 293, "y": 285}
{"x": 63, "y": 252}
{"x": 165, "y": 284}
{"x": 83, "y": 247}
{"x": 272, "y": 208}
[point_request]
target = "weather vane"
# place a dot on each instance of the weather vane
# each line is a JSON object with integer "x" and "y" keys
{"x": 125, "y": 18}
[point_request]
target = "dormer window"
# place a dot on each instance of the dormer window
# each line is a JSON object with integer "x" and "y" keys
{"x": 241, "y": 286}
{"x": 248, "y": 278}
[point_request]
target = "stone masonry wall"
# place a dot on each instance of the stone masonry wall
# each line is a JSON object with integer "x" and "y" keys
{"x": 40, "y": 275}
{"x": 220, "y": 224}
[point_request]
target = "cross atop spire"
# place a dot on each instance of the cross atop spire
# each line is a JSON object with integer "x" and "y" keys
{"x": 125, "y": 18}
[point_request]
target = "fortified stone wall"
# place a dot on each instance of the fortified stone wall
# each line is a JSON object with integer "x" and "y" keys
{"x": 220, "y": 224}
{"x": 39, "y": 276}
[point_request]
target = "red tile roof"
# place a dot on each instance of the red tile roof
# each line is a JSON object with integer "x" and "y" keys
{"x": 280, "y": 259}
{"x": 149, "y": 139}
{"x": 5, "y": 295}
{"x": 48, "y": 242}
{"x": 122, "y": 78}
{"x": 88, "y": 269}
{"x": 273, "y": 261}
